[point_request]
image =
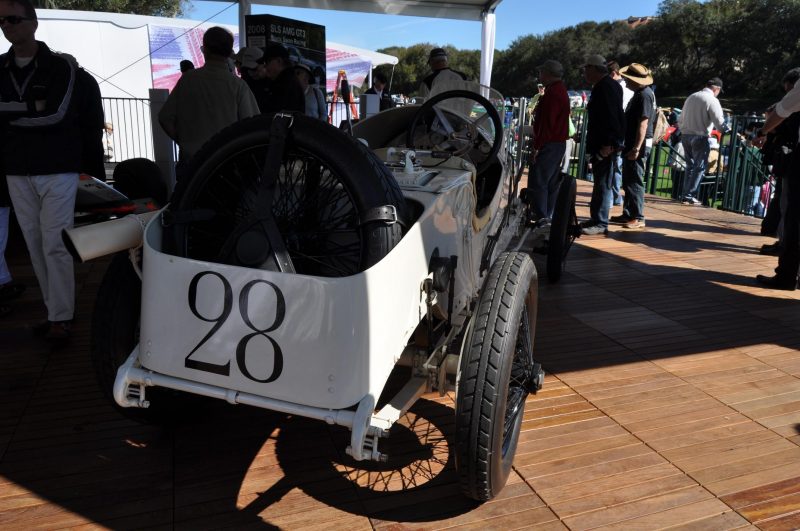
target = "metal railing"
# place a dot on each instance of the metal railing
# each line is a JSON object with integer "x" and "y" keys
{"x": 738, "y": 182}
{"x": 128, "y": 132}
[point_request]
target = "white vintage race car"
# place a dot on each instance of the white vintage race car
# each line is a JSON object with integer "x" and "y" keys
{"x": 296, "y": 269}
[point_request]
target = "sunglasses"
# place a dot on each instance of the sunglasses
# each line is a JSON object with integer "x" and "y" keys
{"x": 13, "y": 19}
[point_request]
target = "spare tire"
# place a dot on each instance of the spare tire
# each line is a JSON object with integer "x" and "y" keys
{"x": 328, "y": 189}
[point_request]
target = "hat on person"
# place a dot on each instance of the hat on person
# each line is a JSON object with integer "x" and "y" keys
{"x": 637, "y": 73}
{"x": 303, "y": 67}
{"x": 596, "y": 60}
{"x": 554, "y": 67}
{"x": 714, "y": 82}
{"x": 437, "y": 52}
{"x": 249, "y": 56}
{"x": 275, "y": 50}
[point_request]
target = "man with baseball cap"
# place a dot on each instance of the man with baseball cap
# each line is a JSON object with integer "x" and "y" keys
{"x": 246, "y": 61}
{"x": 700, "y": 112}
{"x": 550, "y": 133}
{"x": 441, "y": 72}
{"x": 604, "y": 137}
{"x": 283, "y": 92}
{"x": 640, "y": 116}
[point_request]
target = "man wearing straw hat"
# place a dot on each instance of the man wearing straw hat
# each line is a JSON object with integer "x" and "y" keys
{"x": 639, "y": 120}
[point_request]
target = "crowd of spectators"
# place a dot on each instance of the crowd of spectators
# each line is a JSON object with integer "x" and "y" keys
{"x": 622, "y": 116}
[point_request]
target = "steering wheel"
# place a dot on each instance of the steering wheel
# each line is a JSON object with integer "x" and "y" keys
{"x": 458, "y": 127}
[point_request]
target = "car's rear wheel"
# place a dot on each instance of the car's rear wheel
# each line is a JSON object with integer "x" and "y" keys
{"x": 115, "y": 333}
{"x": 563, "y": 229}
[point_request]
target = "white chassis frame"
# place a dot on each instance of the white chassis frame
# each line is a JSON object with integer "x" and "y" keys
{"x": 333, "y": 341}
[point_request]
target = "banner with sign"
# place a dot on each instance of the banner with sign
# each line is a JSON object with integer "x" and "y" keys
{"x": 304, "y": 41}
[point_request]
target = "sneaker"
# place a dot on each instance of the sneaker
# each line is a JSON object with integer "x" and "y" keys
{"x": 587, "y": 223}
{"x": 621, "y": 219}
{"x": 634, "y": 224}
{"x": 771, "y": 249}
{"x": 691, "y": 201}
{"x": 594, "y": 230}
{"x": 59, "y": 331}
{"x": 542, "y": 223}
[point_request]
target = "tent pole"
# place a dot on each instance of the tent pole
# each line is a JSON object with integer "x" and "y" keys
{"x": 489, "y": 23}
{"x": 245, "y": 8}
{"x": 391, "y": 78}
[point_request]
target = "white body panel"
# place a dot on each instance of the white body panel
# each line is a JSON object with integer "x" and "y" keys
{"x": 339, "y": 337}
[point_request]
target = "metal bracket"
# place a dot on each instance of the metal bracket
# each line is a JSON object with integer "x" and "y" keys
{"x": 386, "y": 213}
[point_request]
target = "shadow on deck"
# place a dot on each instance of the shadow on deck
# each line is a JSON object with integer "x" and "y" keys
{"x": 672, "y": 399}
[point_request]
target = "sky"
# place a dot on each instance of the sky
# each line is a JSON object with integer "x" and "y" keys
{"x": 515, "y": 18}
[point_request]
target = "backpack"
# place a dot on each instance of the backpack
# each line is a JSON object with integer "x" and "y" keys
{"x": 660, "y": 125}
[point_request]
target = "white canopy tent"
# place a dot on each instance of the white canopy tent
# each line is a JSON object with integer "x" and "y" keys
{"x": 482, "y": 10}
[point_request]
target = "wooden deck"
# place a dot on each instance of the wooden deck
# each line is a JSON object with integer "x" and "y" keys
{"x": 672, "y": 400}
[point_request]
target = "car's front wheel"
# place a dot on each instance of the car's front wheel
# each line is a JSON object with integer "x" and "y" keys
{"x": 496, "y": 373}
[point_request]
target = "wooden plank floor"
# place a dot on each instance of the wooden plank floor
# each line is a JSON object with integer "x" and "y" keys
{"x": 672, "y": 401}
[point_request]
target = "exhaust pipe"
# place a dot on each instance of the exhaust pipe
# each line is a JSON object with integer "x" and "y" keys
{"x": 109, "y": 237}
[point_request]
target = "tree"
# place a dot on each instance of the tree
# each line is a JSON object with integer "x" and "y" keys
{"x": 160, "y": 8}
{"x": 750, "y": 44}
{"x": 515, "y": 69}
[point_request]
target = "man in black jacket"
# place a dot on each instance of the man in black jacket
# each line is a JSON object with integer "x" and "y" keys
{"x": 283, "y": 92}
{"x": 604, "y": 138}
{"x": 41, "y": 150}
{"x": 378, "y": 87}
{"x": 89, "y": 102}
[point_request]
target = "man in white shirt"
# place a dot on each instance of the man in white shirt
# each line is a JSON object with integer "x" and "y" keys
{"x": 701, "y": 111}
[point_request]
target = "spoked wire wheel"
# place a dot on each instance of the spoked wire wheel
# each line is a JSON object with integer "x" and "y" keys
{"x": 326, "y": 184}
{"x": 523, "y": 372}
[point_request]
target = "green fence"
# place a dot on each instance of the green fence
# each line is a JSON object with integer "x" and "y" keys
{"x": 735, "y": 179}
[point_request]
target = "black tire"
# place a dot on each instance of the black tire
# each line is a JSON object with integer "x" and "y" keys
{"x": 494, "y": 376}
{"x": 115, "y": 332}
{"x": 329, "y": 180}
{"x": 140, "y": 179}
{"x": 563, "y": 228}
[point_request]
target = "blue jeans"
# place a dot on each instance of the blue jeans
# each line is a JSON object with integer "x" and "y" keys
{"x": 695, "y": 149}
{"x": 617, "y": 184}
{"x": 543, "y": 182}
{"x": 633, "y": 184}
{"x": 600, "y": 204}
